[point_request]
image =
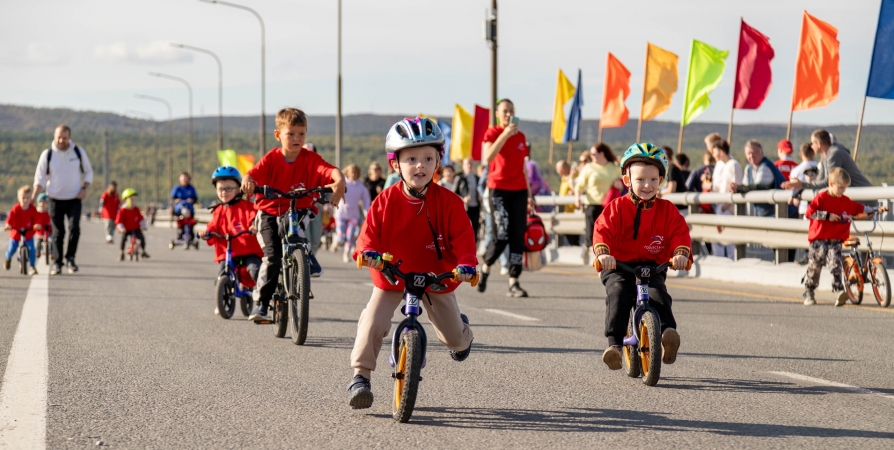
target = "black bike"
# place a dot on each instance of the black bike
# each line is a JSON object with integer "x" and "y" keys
{"x": 642, "y": 345}
{"x": 292, "y": 298}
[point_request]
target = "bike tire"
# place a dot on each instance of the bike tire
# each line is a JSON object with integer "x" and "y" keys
{"x": 650, "y": 348}
{"x": 299, "y": 298}
{"x": 852, "y": 280}
{"x": 632, "y": 365}
{"x": 23, "y": 256}
{"x": 881, "y": 284}
{"x": 46, "y": 250}
{"x": 408, "y": 370}
{"x": 245, "y": 305}
{"x": 280, "y": 314}
{"x": 226, "y": 300}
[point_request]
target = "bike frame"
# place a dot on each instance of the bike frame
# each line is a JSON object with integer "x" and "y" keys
{"x": 643, "y": 274}
{"x": 232, "y": 273}
{"x": 860, "y": 258}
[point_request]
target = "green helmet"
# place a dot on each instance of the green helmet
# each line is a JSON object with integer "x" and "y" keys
{"x": 42, "y": 197}
{"x": 129, "y": 192}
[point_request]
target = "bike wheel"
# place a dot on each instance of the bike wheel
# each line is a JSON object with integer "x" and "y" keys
{"x": 632, "y": 364}
{"x": 650, "y": 348}
{"x": 881, "y": 285}
{"x": 23, "y": 256}
{"x": 408, "y": 369}
{"x": 245, "y": 305}
{"x": 280, "y": 313}
{"x": 46, "y": 250}
{"x": 226, "y": 300}
{"x": 852, "y": 280}
{"x": 299, "y": 298}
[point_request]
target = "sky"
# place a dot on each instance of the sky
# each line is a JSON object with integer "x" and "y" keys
{"x": 404, "y": 56}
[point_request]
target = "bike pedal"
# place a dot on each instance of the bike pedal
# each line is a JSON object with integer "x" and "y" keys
{"x": 264, "y": 322}
{"x": 311, "y": 295}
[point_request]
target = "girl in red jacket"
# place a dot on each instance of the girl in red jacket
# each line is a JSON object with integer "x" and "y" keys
{"x": 130, "y": 222}
{"x": 425, "y": 226}
{"x": 639, "y": 229}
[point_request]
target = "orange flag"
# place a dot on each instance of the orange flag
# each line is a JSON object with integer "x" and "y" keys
{"x": 660, "y": 83}
{"x": 816, "y": 69}
{"x": 614, "y": 94}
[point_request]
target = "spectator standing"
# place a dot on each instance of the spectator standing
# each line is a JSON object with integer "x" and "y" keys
{"x": 675, "y": 181}
{"x": 566, "y": 188}
{"x": 694, "y": 182}
{"x": 392, "y": 178}
{"x": 726, "y": 171}
{"x": 64, "y": 171}
{"x": 593, "y": 183}
{"x": 682, "y": 163}
{"x": 374, "y": 182}
{"x": 832, "y": 156}
{"x": 109, "y": 203}
{"x": 785, "y": 163}
{"x": 467, "y": 189}
{"x": 448, "y": 178}
{"x": 760, "y": 175}
{"x": 351, "y": 210}
{"x": 806, "y": 154}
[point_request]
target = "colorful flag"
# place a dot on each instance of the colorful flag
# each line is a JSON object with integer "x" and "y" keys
{"x": 661, "y": 81}
{"x": 244, "y": 163}
{"x": 461, "y": 145}
{"x": 564, "y": 92}
{"x": 706, "y": 66}
{"x": 482, "y": 121}
{"x": 614, "y": 94}
{"x": 227, "y": 157}
{"x": 881, "y": 72}
{"x": 446, "y": 130}
{"x": 753, "y": 73}
{"x": 816, "y": 69}
{"x": 572, "y": 129}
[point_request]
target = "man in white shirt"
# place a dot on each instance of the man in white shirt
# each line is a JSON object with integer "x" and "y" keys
{"x": 726, "y": 171}
{"x": 64, "y": 171}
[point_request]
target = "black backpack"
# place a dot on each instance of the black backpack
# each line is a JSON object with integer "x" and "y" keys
{"x": 77, "y": 152}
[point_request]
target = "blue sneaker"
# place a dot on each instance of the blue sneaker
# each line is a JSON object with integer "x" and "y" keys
{"x": 361, "y": 393}
{"x": 462, "y": 355}
{"x": 316, "y": 270}
{"x": 259, "y": 313}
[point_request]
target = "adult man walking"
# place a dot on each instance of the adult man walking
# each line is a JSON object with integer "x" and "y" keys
{"x": 64, "y": 171}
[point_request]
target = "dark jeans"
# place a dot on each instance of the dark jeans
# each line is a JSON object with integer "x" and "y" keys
{"x": 250, "y": 262}
{"x": 510, "y": 210}
{"x": 59, "y": 211}
{"x": 474, "y": 213}
{"x": 271, "y": 263}
{"x": 125, "y": 239}
{"x": 620, "y": 298}
{"x": 591, "y": 213}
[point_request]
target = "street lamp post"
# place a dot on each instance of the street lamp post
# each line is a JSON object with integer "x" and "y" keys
{"x": 170, "y": 135}
{"x": 263, "y": 70}
{"x": 219, "y": 89}
{"x": 189, "y": 139}
{"x": 491, "y": 36}
{"x": 152, "y": 118}
{"x": 338, "y": 108}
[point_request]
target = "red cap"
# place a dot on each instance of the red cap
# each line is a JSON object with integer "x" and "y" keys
{"x": 785, "y": 146}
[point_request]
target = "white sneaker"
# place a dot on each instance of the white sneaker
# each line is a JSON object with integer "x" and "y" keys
{"x": 216, "y": 311}
{"x": 108, "y": 239}
{"x": 841, "y": 299}
{"x": 345, "y": 259}
{"x": 504, "y": 271}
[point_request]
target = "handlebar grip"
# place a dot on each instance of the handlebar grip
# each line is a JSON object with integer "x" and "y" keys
{"x": 360, "y": 260}
{"x": 597, "y": 265}
{"x": 474, "y": 281}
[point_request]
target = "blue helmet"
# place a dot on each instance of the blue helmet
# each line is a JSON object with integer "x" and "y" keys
{"x": 42, "y": 197}
{"x": 226, "y": 173}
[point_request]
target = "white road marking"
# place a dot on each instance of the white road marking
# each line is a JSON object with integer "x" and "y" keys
{"x": 23, "y": 398}
{"x": 821, "y": 381}
{"x": 513, "y": 315}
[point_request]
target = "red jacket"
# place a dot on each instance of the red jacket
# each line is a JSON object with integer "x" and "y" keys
{"x": 46, "y": 224}
{"x": 662, "y": 230}
{"x": 186, "y": 221}
{"x": 825, "y": 229}
{"x": 21, "y": 218}
{"x": 129, "y": 218}
{"x": 110, "y": 205}
{"x": 231, "y": 219}
{"x": 395, "y": 224}
{"x": 309, "y": 170}
{"x": 785, "y": 167}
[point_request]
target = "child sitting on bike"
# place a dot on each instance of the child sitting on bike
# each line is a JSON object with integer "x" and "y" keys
{"x": 186, "y": 222}
{"x": 130, "y": 222}
{"x": 829, "y": 226}
{"x": 233, "y": 215}
{"x": 44, "y": 225}
{"x": 286, "y": 168}
{"x": 425, "y": 226}
{"x": 23, "y": 215}
{"x": 640, "y": 229}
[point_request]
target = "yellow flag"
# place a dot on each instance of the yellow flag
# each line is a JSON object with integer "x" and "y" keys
{"x": 564, "y": 93}
{"x": 226, "y": 157}
{"x": 661, "y": 81}
{"x": 244, "y": 163}
{"x": 461, "y": 136}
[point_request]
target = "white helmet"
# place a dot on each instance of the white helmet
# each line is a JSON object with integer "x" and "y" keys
{"x": 410, "y": 133}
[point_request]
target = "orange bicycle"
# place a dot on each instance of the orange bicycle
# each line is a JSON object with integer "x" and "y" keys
{"x": 858, "y": 268}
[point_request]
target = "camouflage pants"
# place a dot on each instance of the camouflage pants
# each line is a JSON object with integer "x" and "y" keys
{"x": 824, "y": 252}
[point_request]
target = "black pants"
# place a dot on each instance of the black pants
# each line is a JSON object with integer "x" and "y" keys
{"x": 510, "y": 209}
{"x": 620, "y": 298}
{"x": 251, "y": 262}
{"x": 59, "y": 211}
{"x": 125, "y": 238}
{"x": 474, "y": 213}
{"x": 591, "y": 213}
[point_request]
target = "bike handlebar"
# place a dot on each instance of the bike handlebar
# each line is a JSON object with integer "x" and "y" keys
{"x": 271, "y": 192}
{"x": 661, "y": 268}
{"x": 209, "y": 234}
{"x": 385, "y": 263}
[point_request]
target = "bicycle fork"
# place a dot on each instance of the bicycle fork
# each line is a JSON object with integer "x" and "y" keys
{"x": 412, "y": 310}
{"x": 642, "y": 299}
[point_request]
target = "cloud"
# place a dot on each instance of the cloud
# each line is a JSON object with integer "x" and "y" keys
{"x": 158, "y": 52}
{"x": 34, "y": 54}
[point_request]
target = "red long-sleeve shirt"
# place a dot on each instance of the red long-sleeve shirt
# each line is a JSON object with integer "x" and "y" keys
{"x": 397, "y": 224}
{"x": 110, "y": 205}
{"x": 825, "y": 229}
{"x": 309, "y": 170}
{"x": 21, "y": 218}
{"x": 130, "y": 218}
{"x": 662, "y": 230}
{"x": 231, "y": 219}
{"x": 46, "y": 224}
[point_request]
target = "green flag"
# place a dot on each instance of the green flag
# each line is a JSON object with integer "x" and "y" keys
{"x": 706, "y": 65}
{"x": 227, "y": 158}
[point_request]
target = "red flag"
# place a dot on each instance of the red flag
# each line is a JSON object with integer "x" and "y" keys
{"x": 482, "y": 120}
{"x": 753, "y": 73}
{"x": 816, "y": 70}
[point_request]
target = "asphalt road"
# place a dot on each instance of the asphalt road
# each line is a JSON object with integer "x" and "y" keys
{"x": 137, "y": 359}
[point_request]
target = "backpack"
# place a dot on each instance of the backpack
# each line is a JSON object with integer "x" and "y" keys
{"x": 536, "y": 238}
{"x": 77, "y": 151}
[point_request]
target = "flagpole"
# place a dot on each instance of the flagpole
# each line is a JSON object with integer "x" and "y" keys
{"x": 570, "y": 143}
{"x": 788, "y": 132}
{"x": 642, "y": 104}
{"x": 729, "y": 131}
{"x": 859, "y": 128}
{"x": 680, "y": 139}
{"x": 551, "y": 144}
{"x": 599, "y": 134}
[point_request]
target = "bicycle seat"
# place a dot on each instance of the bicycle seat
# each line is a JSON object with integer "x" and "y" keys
{"x": 852, "y": 241}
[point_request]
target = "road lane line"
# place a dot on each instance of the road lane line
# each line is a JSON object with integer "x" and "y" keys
{"x": 513, "y": 315}
{"x": 821, "y": 381}
{"x": 23, "y": 398}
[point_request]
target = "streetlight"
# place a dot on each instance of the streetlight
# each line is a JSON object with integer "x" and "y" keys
{"x": 263, "y": 82}
{"x": 188, "y": 88}
{"x": 490, "y": 34}
{"x": 152, "y": 118}
{"x": 219, "y": 89}
{"x": 338, "y": 109}
{"x": 170, "y": 135}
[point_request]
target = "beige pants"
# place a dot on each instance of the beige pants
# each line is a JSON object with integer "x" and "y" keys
{"x": 375, "y": 323}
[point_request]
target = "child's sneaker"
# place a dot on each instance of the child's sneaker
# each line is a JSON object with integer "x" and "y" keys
{"x": 504, "y": 271}
{"x": 361, "y": 393}
{"x": 612, "y": 357}
{"x": 809, "y": 299}
{"x": 515, "y": 291}
{"x": 670, "y": 343}
{"x": 258, "y": 313}
{"x": 109, "y": 239}
{"x": 841, "y": 299}
{"x": 121, "y": 256}
{"x": 144, "y": 255}
{"x": 32, "y": 271}
{"x": 57, "y": 269}
{"x": 463, "y": 354}
{"x": 316, "y": 270}
{"x": 482, "y": 281}
{"x": 7, "y": 264}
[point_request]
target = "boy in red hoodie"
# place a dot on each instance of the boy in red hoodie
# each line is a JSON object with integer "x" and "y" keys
{"x": 233, "y": 215}
{"x": 23, "y": 215}
{"x": 639, "y": 229}
{"x": 286, "y": 168}
{"x": 130, "y": 221}
{"x": 425, "y": 226}
{"x": 829, "y": 215}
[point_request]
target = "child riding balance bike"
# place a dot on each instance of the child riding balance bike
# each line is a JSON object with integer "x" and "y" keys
{"x": 130, "y": 224}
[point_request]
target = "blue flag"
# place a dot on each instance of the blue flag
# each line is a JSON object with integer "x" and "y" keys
{"x": 881, "y": 72}
{"x": 572, "y": 129}
{"x": 445, "y": 129}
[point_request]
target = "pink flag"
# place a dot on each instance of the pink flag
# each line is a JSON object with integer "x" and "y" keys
{"x": 753, "y": 73}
